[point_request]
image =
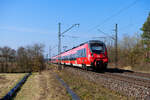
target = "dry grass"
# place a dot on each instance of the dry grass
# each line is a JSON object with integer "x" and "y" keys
{"x": 30, "y": 89}
{"x": 42, "y": 86}
{"x": 88, "y": 90}
{"x": 7, "y": 82}
{"x": 144, "y": 68}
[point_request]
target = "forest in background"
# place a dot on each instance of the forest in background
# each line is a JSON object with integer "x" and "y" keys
{"x": 133, "y": 50}
{"x": 24, "y": 59}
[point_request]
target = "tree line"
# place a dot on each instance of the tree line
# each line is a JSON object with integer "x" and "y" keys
{"x": 133, "y": 50}
{"x": 24, "y": 59}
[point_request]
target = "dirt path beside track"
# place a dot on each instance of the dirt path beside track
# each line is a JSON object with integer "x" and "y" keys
{"x": 42, "y": 86}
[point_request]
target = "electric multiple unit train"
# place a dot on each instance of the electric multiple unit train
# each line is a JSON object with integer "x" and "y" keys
{"x": 91, "y": 54}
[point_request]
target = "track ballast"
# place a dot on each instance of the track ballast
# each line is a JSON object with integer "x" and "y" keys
{"x": 131, "y": 84}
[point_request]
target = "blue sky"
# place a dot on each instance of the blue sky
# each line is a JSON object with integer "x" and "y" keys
{"x": 25, "y": 22}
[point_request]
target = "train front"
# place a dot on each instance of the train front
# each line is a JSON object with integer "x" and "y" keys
{"x": 98, "y": 55}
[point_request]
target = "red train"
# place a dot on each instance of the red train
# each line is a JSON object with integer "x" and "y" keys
{"x": 91, "y": 54}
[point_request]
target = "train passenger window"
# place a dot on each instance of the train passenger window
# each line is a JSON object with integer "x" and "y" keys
{"x": 81, "y": 53}
{"x": 78, "y": 53}
{"x": 84, "y": 52}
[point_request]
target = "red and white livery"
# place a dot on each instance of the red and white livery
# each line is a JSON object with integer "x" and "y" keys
{"x": 91, "y": 54}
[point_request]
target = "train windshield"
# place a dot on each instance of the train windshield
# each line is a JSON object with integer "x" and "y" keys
{"x": 97, "y": 48}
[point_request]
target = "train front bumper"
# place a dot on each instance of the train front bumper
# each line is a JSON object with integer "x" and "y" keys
{"x": 100, "y": 63}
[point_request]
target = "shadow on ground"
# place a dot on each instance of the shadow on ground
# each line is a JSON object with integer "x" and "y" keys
{"x": 114, "y": 70}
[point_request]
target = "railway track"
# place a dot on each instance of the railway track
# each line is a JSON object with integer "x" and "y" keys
{"x": 135, "y": 79}
{"x": 131, "y": 84}
{"x": 145, "y": 75}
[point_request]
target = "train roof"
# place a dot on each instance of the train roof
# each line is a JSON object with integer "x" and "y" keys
{"x": 90, "y": 41}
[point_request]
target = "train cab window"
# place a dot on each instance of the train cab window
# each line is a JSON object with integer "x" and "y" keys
{"x": 97, "y": 48}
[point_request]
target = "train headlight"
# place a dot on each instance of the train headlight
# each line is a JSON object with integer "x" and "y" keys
{"x": 89, "y": 57}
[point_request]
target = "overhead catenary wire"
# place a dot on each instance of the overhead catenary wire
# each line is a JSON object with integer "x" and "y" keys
{"x": 71, "y": 36}
{"x": 76, "y": 37}
{"x": 114, "y": 15}
{"x": 106, "y": 34}
{"x": 60, "y": 34}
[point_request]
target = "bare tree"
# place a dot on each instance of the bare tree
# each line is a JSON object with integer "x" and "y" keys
{"x": 31, "y": 58}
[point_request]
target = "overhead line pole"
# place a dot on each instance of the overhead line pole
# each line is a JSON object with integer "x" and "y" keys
{"x": 50, "y": 54}
{"x": 116, "y": 45}
{"x": 59, "y": 44}
{"x": 115, "y": 38}
{"x": 59, "y": 41}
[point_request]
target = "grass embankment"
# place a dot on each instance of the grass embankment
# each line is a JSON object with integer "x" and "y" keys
{"x": 88, "y": 90}
{"x": 8, "y": 81}
{"x": 144, "y": 68}
{"x": 42, "y": 86}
